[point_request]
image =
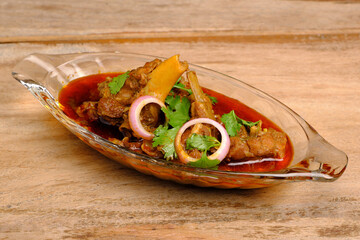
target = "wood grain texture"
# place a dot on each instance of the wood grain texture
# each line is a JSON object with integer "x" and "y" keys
{"x": 231, "y": 36}
{"x": 54, "y": 186}
{"x": 67, "y": 19}
{"x": 304, "y": 53}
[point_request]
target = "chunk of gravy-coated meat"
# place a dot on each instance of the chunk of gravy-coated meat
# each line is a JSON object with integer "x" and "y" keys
{"x": 141, "y": 73}
{"x": 113, "y": 107}
{"x": 88, "y": 110}
{"x": 147, "y": 148}
{"x": 202, "y": 106}
{"x": 150, "y": 117}
{"x": 109, "y": 107}
{"x": 271, "y": 143}
{"x": 239, "y": 148}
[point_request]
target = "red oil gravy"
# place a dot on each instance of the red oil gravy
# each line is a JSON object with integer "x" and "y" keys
{"x": 85, "y": 89}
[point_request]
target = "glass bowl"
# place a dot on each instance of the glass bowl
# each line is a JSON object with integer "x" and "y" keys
{"x": 314, "y": 158}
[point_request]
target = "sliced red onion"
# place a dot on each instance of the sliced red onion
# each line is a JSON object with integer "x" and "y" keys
{"x": 220, "y": 154}
{"x": 134, "y": 115}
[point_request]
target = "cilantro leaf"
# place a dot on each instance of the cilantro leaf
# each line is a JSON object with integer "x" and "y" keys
{"x": 160, "y": 132}
{"x": 182, "y": 87}
{"x": 247, "y": 123}
{"x": 201, "y": 142}
{"x": 118, "y": 82}
{"x": 189, "y": 91}
{"x": 231, "y": 124}
{"x": 213, "y": 99}
{"x": 165, "y": 137}
{"x": 177, "y": 111}
{"x": 205, "y": 162}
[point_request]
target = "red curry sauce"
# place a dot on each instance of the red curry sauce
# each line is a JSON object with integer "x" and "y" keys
{"x": 85, "y": 89}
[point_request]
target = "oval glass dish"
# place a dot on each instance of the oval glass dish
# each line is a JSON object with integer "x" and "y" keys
{"x": 314, "y": 158}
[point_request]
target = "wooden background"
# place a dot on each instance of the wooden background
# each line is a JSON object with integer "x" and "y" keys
{"x": 304, "y": 53}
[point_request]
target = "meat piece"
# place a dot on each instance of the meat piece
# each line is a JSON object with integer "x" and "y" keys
{"x": 194, "y": 153}
{"x": 125, "y": 128}
{"x": 141, "y": 73}
{"x": 238, "y": 149}
{"x": 134, "y": 146}
{"x": 88, "y": 110}
{"x": 202, "y": 106}
{"x": 151, "y": 79}
{"x": 149, "y": 117}
{"x": 113, "y": 108}
{"x": 150, "y": 150}
{"x": 109, "y": 107}
{"x": 200, "y": 110}
{"x": 185, "y": 82}
{"x": 137, "y": 79}
{"x": 103, "y": 87}
{"x": 127, "y": 95}
{"x": 201, "y": 129}
{"x": 270, "y": 144}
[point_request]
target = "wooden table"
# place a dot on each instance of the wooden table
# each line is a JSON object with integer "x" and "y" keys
{"x": 304, "y": 53}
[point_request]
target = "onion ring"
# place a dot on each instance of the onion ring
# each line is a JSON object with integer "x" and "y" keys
{"x": 134, "y": 115}
{"x": 220, "y": 154}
